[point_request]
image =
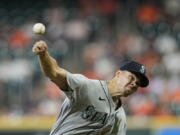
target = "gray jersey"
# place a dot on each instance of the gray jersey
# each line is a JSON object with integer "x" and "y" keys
{"x": 88, "y": 110}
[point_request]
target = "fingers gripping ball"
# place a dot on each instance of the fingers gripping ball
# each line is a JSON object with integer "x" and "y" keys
{"x": 39, "y": 28}
{"x": 39, "y": 47}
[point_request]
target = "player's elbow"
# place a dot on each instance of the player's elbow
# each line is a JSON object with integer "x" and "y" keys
{"x": 51, "y": 74}
{"x": 56, "y": 74}
{"x": 59, "y": 78}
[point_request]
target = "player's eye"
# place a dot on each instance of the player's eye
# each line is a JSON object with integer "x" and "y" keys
{"x": 130, "y": 77}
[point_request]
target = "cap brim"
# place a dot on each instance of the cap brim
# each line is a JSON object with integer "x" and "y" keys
{"x": 144, "y": 81}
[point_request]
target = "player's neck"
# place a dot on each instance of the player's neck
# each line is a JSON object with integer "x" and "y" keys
{"x": 116, "y": 96}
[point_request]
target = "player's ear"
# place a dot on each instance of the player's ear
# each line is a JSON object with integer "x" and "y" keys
{"x": 118, "y": 72}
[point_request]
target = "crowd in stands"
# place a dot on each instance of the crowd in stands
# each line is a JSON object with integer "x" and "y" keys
{"x": 91, "y": 37}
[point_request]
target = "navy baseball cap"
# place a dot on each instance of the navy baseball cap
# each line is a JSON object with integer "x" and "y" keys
{"x": 137, "y": 69}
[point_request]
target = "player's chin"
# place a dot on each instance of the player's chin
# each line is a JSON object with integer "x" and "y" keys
{"x": 127, "y": 93}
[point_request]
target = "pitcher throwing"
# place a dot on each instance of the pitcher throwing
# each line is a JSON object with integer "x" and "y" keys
{"x": 92, "y": 107}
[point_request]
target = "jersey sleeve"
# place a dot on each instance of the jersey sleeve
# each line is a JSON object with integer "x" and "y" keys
{"x": 75, "y": 82}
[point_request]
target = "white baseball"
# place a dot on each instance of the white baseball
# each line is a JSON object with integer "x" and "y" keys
{"x": 39, "y": 28}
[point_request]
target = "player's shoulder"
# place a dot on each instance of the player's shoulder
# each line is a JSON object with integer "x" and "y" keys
{"x": 80, "y": 81}
{"x": 76, "y": 75}
{"x": 81, "y": 76}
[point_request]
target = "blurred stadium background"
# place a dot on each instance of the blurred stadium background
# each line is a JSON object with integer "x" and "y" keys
{"x": 91, "y": 37}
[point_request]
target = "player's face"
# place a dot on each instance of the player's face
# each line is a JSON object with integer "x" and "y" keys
{"x": 128, "y": 83}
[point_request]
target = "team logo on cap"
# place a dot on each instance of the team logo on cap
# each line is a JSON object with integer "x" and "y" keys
{"x": 142, "y": 70}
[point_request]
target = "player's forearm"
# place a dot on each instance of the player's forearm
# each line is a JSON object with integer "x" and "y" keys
{"x": 48, "y": 65}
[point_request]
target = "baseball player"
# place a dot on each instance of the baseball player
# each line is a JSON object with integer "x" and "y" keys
{"x": 92, "y": 107}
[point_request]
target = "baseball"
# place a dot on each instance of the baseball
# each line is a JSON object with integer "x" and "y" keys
{"x": 39, "y": 28}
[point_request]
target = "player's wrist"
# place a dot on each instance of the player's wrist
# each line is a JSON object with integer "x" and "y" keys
{"x": 43, "y": 54}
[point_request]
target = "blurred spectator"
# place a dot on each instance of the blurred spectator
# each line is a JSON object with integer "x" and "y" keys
{"x": 165, "y": 44}
{"x": 18, "y": 39}
{"x": 147, "y": 13}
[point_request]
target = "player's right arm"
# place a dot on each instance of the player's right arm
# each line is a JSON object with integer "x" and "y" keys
{"x": 49, "y": 65}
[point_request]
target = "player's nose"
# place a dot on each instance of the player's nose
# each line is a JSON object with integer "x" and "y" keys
{"x": 133, "y": 84}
